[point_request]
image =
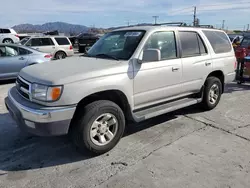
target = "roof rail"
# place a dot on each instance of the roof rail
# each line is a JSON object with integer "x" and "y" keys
{"x": 173, "y": 23}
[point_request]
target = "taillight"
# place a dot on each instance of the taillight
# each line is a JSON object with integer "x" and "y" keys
{"x": 235, "y": 65}
{"x": 48, "y": 56}
{"x": 17, "y": 36}
{"x": 71, "y": 47}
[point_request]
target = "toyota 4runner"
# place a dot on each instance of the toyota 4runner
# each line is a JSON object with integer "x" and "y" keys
{"x": 130, "y": 74}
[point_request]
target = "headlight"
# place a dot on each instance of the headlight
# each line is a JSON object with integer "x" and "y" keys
{"x": 45, "y": 93}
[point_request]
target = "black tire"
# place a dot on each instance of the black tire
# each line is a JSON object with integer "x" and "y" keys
{"x": 81, "y": 129}
{"x": 206, "y": 102}
{"x": 60, "y": 55}
{"x": 8, "y": 41}
{"x": 81, "y": 49}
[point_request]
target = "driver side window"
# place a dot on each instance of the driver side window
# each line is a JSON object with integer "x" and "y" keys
{"x": 165, "y": 42}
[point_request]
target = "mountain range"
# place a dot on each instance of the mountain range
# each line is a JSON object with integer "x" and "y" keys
{"x": 62, "y": 27}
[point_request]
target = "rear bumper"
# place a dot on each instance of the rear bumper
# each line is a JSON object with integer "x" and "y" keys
{"x": 37, "y": 119}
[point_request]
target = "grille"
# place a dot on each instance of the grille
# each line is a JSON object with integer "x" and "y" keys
{"x": 23, "y": 87}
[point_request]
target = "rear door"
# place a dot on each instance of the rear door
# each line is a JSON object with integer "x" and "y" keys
{"x": 10, "y": 61}
{"x": 196, "y": 61}
{"x": 45, "y": 45}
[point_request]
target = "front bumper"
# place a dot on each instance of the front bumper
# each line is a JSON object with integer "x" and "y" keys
{"x": 37, "y": 119}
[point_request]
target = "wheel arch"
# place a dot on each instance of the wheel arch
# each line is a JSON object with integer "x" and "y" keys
{"x": 220, "y": 75}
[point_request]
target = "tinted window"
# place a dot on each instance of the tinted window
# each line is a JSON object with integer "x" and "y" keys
{"x": 6, "y": 31}
{"x": 165, "y": 42}
{"x": 245, "y": 42}
{"x": 23, "y": 51}
{"x": 219, "y": 41}
{"x": 189, "y": 44}
{"x": 47, "y": 42}
{"x": 62, "y": 41}
{"x": 41, "y": 42}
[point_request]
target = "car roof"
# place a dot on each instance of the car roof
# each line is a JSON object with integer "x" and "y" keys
{"x": 48, "y": 36}
{"x": 156, "y": 28}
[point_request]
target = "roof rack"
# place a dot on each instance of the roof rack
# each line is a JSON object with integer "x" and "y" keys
{"x": 173, "y": 23}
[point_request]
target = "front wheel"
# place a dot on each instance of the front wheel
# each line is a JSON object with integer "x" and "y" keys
{"x": 99, "y": 127}
{"x": 212, "y": 93}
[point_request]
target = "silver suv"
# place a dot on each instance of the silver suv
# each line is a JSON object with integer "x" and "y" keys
{"x": 130, "y": 74}
{"x": 59, "y": 47}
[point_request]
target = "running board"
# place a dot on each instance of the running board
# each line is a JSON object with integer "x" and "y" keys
{"x": 164, "y": 108}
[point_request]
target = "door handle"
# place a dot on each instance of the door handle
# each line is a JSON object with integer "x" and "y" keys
{"x": 21, "y": 58}
{"x": 207, "y": 63}
{"x": 175, "y": 69}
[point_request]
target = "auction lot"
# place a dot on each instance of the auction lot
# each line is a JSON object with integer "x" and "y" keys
{"x": 188, "y": 148}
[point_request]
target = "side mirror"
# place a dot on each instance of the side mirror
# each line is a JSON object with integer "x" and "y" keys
{"x": 151, "y": 54}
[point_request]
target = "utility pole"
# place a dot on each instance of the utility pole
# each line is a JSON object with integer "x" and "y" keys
{"x": 244, "y": 28}
{"x": 155, "y": 17}
{"x": 223, "y": 24}
{"x": 247, "y": 27}
{"x": 194, "y": 24}
{"x": 128, "y": 23}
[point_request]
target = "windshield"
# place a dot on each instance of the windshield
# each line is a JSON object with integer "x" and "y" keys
{"x": 117, "y": 44}
{"x": 23, "y": 41}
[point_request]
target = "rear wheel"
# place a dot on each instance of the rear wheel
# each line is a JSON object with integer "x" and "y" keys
{"x": 60, "y": 55}
{"x": 98, "y": 127}
{"x": 8, "y": 41}
{"x": 212, "y": 93}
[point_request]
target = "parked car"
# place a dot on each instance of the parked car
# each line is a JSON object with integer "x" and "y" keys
{"x": 59, "y": 46}
{"x": 86, "y": 40}
{"x": 8, "y": 36}
{"x": 243, "y": 49}
{"x": 14, "y": 57}
{"x": 130, "y": 74}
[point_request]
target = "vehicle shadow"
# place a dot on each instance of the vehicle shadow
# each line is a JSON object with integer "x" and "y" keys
{"x": 234, "y": 87}
{"x": 20, "y": 151}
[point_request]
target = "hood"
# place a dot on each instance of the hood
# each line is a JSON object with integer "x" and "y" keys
{"x": 71, "y": 70}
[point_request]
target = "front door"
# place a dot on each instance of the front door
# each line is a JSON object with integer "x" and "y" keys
{"x": 155, "y": 82}
{"x": 10, "y": 62}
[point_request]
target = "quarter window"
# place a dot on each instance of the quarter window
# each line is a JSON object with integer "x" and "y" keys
{"x": 219, "y": 41}
{"x": 62, "y": 41}
{"x": 165, "y": 42}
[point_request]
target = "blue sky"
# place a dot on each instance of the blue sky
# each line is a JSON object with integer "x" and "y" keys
{"x": 107, "y": 13}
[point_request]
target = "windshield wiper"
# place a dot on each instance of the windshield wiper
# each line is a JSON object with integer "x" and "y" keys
{"x": 107, "y": 55}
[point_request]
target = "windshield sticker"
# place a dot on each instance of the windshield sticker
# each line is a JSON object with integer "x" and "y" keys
{"x": 132, "y": 34}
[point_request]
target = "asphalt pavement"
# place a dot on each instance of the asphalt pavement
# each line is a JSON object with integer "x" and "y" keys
{"x": 187, "y": 148}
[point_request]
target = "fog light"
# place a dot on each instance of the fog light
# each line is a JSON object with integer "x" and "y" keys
{"x": 30, "y": 124}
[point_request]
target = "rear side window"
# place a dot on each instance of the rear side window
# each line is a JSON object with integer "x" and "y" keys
{"x": 62, "y": 41}
{"x": 23, "y": 51}
{"x": 6, "y": 31}
{"x": 191, "y": 44}
{"x": 41, "y": 42}
{"x": 219, "y": 41}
